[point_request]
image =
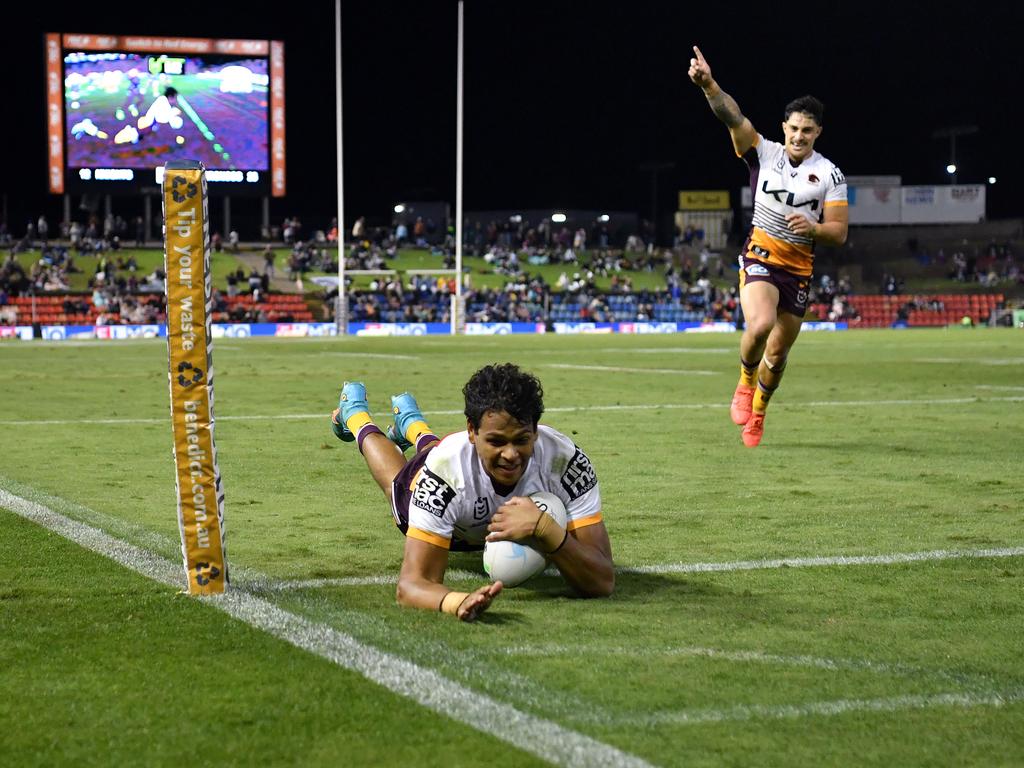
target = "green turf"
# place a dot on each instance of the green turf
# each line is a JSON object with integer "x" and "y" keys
{"x": 103, "y": 667}
{"x": 878, "y": 442}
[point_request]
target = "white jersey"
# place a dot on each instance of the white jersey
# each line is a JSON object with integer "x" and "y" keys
{"x": 453, "y": 497}
{"x": 781, "y": 188}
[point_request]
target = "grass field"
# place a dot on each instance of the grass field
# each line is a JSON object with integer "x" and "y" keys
{"x": 849, "y": 593}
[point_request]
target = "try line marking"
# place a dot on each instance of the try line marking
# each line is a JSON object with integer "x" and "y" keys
{"x": 744, "y": 712}
{"x": 896, "y": 558}
{"x": 619, "y": 369}
{"x": 542, "y": 738}
{"x": 554, "y": 409}
{"x": 531, "y": 733}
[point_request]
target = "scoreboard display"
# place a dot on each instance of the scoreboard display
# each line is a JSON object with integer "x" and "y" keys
{"x": 121, "y": 107}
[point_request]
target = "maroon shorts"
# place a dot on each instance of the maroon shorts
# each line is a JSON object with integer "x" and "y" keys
{"x": 401, "y": 495}
{"x": 792, "y": 288}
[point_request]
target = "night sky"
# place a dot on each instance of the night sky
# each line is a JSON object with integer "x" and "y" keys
{"x": 568, "y": 104}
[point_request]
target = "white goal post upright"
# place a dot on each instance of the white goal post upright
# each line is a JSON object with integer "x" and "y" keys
{"x": 341, "y": 303}
{"x": 458, "y": 320}
{"x": 457, "y": 311}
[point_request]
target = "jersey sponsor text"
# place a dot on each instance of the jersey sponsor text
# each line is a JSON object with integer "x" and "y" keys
{"x": 432, "y": 494}
{"x": 579, "y": 477}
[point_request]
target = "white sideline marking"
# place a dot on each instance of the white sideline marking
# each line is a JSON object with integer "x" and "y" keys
{"x": 542, "y": 738}
{"x": 532, "y": 734}
{"x": 743, "y": 712}
{"x": 837, "y": 560}
{"x": 740, "y": 565}
{"x": 936, "y": 401}
{"x": 474, "y": 665}
{"x": 369, "y": 354}
{"x": 969, "y": 360}
{"x": 757, "y": 657}
{"x": 619, "y": 369}
{"x": 673, "y": 350}
{"x": 276, "y": 585}
{"x": 555, "y": 409}
{"x": 632, "y": 350}
{"x": 992, "y": 386}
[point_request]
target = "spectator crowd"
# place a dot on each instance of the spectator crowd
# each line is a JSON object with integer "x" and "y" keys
{"x": 512, "y": 249}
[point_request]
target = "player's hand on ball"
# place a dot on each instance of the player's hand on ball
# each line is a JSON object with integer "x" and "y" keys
{"x": 478, "y": 601}
{"x": 514, "y": 520}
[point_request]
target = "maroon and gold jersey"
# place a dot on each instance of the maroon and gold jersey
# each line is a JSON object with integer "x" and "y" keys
{"x": 450, "y": 499}
{"x": 781, "y": 188}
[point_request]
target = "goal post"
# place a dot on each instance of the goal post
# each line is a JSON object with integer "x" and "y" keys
{"x": 1007, "y": 318}
{"x": 457, "y": 300}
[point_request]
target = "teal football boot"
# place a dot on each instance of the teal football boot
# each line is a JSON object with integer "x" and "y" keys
{"x": 352, "y": 400}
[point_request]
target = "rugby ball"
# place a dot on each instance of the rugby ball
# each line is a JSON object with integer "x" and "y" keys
{"x": 513, "y": 563}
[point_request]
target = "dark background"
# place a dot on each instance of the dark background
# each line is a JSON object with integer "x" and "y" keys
{"x": 570, "y": 104}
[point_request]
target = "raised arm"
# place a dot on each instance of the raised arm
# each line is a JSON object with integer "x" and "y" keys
{"x": 722, "y": 104}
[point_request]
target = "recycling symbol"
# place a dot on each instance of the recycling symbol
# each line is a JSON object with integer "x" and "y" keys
{"x": 190, "y": 189}
{"x": 205, "y": 573}
{"x": 197, "y": 374}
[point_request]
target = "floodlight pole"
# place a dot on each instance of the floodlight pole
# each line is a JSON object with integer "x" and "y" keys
{"x": 951, "y": 134}
{"x": 341, "y": 303}
{"x": 456, "y": 310}
{"x": 655, "y": 168}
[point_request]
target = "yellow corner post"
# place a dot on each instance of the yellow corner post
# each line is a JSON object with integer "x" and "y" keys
{"x": 190, "y": 376}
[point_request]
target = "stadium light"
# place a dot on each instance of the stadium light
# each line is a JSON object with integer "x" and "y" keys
{"x": 558, "y": 218}
{"x": 604, "y": 218}
{"x": 951, "y": 134}
{"x": 399, "y": 208}
{"x": 991, "y": 179}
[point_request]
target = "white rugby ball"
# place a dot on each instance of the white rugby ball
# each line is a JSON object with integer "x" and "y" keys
{"x": 512, "y": 563}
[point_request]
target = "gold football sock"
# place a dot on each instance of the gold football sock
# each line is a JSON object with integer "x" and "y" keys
{"x": 357, "y": 421}
{"x": 416, "y": 430}
{"x": 761, "y": 397}
{"x": 748, "y": 373}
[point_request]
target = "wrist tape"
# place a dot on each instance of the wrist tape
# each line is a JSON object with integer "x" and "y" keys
{"x": 451, "y": 601}
{"x": 549, "y": 534}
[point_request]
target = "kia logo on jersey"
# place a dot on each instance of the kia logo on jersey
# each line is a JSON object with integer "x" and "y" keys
{"x": 789, "y": 199}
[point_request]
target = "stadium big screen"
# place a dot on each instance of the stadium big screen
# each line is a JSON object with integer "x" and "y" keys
{"x": 120, "y": 107}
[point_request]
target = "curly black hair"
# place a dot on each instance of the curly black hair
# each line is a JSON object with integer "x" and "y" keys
{"x": 807, "y": 105}
{"x": 504, "y": 387}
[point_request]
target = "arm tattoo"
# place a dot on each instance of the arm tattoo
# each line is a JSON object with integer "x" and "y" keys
{"x": 725, "y": 108}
